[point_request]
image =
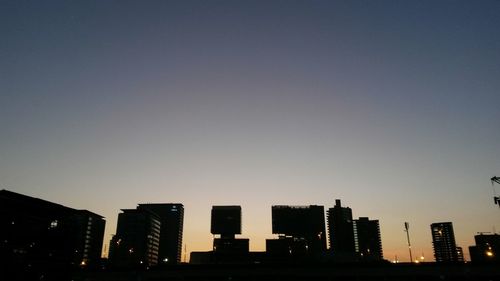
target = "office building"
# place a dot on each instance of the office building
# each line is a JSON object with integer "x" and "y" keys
{"x": 137, "y": 239}
{"x": 225, "y": 225}
{"x": 89, "y": 232}
{"x": 487, "y": 248}
{"x": 300, "y": 229}
{"x": 341, "y": 230}
{"x": 171, "y": 218}
{"x": 226, "y": 221}
{"x": 367, "y": 239}
{"x": 443, "y": 242}
{"x": 38, "y": 234}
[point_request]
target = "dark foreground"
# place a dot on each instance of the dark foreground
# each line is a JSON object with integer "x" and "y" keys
{"x": 430, "y": 271}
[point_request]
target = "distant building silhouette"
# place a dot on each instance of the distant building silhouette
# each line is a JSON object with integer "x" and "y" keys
{"x": 226, "y": 222}
{"x": 301, "y": 231}
{"x": 137, "y": 239}
{"x": 341, "y": 230}
{"x": 486, "y": 250}
{"x": 149, "y": 235}
{"x": 460, "y": 254}
{"x": 37, "y": 235}
{"x": 443, "y": 242}
{"x": 367, "y": 238}
{"x": 171, "y": 217}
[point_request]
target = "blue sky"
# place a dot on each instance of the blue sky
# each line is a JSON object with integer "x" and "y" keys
{"x": 391, "y": 106}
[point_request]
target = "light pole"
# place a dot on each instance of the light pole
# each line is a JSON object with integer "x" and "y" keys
{"x": 407, "y": 229}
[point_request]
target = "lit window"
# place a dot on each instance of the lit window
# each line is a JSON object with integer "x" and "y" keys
{"x": 53, "y": 224}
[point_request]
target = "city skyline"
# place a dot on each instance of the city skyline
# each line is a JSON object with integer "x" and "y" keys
{"x": 390, "y": 106}
{"x": 140, "y": 228}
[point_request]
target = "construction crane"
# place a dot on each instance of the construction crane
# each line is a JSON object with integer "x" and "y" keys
{"x": 496, "y": 199}
{"x": 495, "y": 179}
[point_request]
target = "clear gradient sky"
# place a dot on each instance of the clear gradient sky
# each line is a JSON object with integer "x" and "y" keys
{"x": 391, "y": 106}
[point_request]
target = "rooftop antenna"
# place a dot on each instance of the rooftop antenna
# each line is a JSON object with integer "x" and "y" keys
{"x": 407, "y": 229}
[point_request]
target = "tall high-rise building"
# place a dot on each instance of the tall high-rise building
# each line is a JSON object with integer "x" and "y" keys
{"x": 367, "y": 238}
{"x": 37, "y": 234}
{"x": 171, "y": 217}
{"x": 300, "y": 225}
{"x": 137, "y": 239}
{"x": 340, "y": 229}
{"x": 443, "y": 242}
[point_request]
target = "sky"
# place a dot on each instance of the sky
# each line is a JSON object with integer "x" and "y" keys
{"x": 391, "y": 106}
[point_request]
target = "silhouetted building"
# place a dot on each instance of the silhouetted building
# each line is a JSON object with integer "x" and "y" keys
{"x": 341, "y": 230}
{"x": 486, "y": 250}
{"x": 37, "y": 235}
{"x": 226, "y": 221}
{"x": 137, "y": 239}
{"x": 460, "y": 254}
{"x": 89, "y": 230}
{"x": 287, "y": 249}
{"x": 367, "y": 239}
{"x": 443, "y": 242}
{"x": 171, "y": 217}
{"x": 232, "y": 246}
{"x": 301, "y": 231}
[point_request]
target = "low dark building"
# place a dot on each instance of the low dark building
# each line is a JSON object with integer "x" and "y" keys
{"x": 287, "y": 250}
{"x": 486, "y": 250}
{"x": 231, "y": 246}
{"x": 37, "y": 235}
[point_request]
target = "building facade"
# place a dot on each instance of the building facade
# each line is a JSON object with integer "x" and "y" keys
{"x": 367, "y": 239}
{"x": 487, "y": 248}
{"x": 225, "y": 225}
{"x": 171, "y": 217}
{"x": 443, "y": 242}
{"x": 341, "y": 230}
{"x": 301, "y": 230}
{"x": 137, "y": 239}
{"x": 37, "y": 235}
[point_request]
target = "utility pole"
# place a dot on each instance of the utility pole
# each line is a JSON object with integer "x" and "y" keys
{"x": 407, "y": 229}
